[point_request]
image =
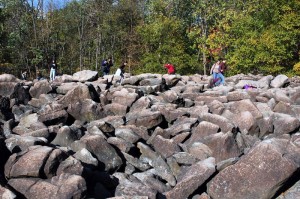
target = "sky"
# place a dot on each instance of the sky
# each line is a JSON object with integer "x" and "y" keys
{"x": 56, "y": 3}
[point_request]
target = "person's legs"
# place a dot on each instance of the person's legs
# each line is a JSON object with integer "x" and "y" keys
{"x": 52, "y": 74}
{"x": 221, "y": 76}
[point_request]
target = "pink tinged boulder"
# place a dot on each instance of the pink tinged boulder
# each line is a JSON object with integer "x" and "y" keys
{"x": 64, "y": 186}
{"x": 166, "y": 147}
{"x": 202, "y": 130}
{"x": 146, "y": 118}
{"x": 124, "y": 97}
{"x": 6, "y": 193}
{"x": 279, "y": 81}
{"x": 142, "y": 103}
{"x": 100, "y": 148}
{"x": 120, "y": 143}
{"x": 28, "y": 163}
{"x": 195, "y": 176}
{"x": 71, "y": 166}
{"x": 136, "y": 189}
{"x": 224, "y": 123}
{"x": 76, "y": 94}
{"x": 222, "y": 145}
{"x": 284, "y": 123}
{"x": 259, "y": 174}
{"x": 40, "y": 87}
{"x": 172, "y": 114}
{"x": 86, "y": 110}
{"x": 115, "y": 109}
{"x": 245, "y": 105}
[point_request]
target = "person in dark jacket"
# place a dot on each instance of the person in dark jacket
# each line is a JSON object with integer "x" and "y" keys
{"x": 106, "y": 65}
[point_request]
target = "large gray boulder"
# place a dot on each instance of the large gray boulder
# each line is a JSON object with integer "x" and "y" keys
{"x": 85, "y": 75}
{"x": 263, "y": 171}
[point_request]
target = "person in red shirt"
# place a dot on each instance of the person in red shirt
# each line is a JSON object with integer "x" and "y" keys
{"x": 171, "y": 68}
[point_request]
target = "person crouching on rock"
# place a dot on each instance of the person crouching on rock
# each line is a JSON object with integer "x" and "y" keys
{"x": 171, "y": 68}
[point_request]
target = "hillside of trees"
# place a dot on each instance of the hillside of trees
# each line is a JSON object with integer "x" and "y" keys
{"x": 254, "y": 36}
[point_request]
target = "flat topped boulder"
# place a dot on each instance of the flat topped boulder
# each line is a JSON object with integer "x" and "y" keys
{"x": 8, "y": 78}
{"x": 85, "y": 75}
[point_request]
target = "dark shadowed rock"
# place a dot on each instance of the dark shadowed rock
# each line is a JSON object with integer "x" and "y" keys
{"x": 291, "y": 193}
{"x": 65, "y": 137}
{"x": 262, "y": 175}
{"x": 181, "y": 126}
{"x": 158, "y": 163}
{"x": 196, "y": 175}
{"x": 55, "y": 158}
{"x": 53, "y": 114}
{"x": 136, "y": 162}
{"x": 151, "y": 181}
{"x": 131, "y": 189}
{"x": 99, "y": 147}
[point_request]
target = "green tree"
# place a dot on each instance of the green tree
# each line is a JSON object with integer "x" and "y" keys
{"x": 264, "y": 37}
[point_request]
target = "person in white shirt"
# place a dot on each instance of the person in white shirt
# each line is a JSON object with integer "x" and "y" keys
{"x": 120, "y": 72}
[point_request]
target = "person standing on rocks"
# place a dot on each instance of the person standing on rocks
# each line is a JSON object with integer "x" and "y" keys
{"x": 53, "y": 68}
{"x": 106, "y": 65}
{"x": 215, "y": 71}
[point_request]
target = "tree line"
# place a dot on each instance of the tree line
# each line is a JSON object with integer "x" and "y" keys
{"x": 254, "y": 36}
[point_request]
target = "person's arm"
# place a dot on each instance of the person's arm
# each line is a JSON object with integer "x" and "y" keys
{"x": 212, "y": 68}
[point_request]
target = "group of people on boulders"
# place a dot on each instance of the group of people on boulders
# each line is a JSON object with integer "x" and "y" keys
{"x": 217, "y": 71}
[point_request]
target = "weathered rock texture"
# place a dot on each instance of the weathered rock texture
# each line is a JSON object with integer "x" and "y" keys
{"x": 153, "y": 136}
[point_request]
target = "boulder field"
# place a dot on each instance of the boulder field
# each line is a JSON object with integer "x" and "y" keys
{"x": 151, "y": 137}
